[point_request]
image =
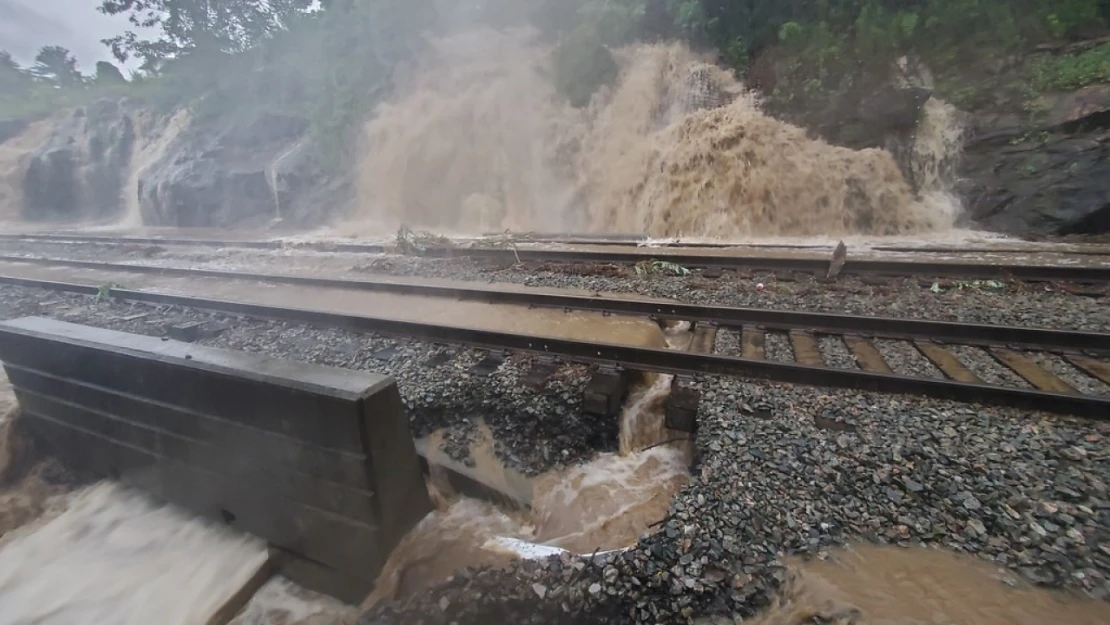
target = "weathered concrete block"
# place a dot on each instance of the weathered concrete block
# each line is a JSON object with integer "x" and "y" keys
{"x": 605, "y": 392}
{"x": 319, "y": 461}
{"x": 681, "y": 409}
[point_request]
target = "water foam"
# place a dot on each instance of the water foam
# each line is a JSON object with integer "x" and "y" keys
{"x": 115, "y": 558}
{"x": 153, "y": 137}
{"x": 479, "y": 140}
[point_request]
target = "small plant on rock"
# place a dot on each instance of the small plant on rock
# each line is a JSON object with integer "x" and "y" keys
{"x": 656, "y": 267}
{"x": 104, "y": 291}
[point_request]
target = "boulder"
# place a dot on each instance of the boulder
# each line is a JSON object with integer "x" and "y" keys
{"x": 892, "y": 109}
{"x": 1075, "y": 106}
{"x": 79, "y": 171}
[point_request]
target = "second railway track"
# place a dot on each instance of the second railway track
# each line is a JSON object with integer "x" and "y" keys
{"x": 1021, "y": 351}
{"x": 709, "y": 258}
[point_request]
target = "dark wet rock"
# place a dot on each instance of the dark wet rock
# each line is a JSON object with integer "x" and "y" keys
{"x": 1052, "y": 179}
{"x": 80, "y": 171}
{"x": 877, "y": 112}
{"x": 1071, "y": 107}
{"x": 251, "y": 169}
{"x": 891, "y": 108}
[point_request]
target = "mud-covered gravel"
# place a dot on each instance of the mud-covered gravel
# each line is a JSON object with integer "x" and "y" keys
{"x": 1016, "y": 304}
{"x": 1023, "y": 490}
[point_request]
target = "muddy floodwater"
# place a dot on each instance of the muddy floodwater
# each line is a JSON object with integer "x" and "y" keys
{"x": 872, "y": 585}
{"x": 114, "y": 558}
{"x": 605, "y": 504}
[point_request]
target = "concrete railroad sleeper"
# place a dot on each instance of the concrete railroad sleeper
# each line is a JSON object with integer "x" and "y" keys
{"x": 712, "y": 262}
{"x": 723, "y": 316}
{"x": 873, "y": 377}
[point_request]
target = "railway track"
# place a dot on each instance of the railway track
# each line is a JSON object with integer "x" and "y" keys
{"x": 1052, "y": 370}
{"x": 636, "y": 241}
{"x": 711, "y": 261}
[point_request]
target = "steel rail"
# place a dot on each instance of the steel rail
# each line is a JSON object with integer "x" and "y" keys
{"x": 638, "y": 241}
{"x": 821, "y": 323}
{"x": 639, "y": 358}
{"x": 819, "y": 266}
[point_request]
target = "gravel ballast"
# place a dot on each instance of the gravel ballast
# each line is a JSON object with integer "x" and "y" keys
{"x": 835, "y": 353}
{"x": 777, "y": 347}
{"x": 804, "y": 471}
{"x": 986, "y": 367}
{"x": 905, "y": 359}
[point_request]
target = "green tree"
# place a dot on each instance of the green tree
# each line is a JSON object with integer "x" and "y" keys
{"x": 56, "y": 65}
{"x": 362, "y": 43}
{"x": 14, "y": 80}
{"x": 582, "y": 65}
{"x": 205, "y": 26}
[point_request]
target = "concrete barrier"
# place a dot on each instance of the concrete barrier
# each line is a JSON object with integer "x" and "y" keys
{"x": 316, "y": 460}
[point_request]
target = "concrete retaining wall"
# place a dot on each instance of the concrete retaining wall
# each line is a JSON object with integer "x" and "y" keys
{"x": 318, "y": 461}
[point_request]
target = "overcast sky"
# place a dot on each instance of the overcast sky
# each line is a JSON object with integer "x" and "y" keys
{"x": 27, "y": 25}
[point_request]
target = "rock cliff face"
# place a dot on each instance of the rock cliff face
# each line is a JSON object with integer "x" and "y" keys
{"x": 1045, "y": 178}
{"x": 251, "y": 171}
{"x": 1051, "y": 178}
{"x": 113, "y": 161}
{"x": 78, "y": 173}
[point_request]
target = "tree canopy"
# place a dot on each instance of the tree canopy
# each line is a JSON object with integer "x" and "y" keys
{"x": 55, "y": 64}
{"x": 332, "y": 61}
{"x": 13, "y": 80}
{"x": 181, "y": 27}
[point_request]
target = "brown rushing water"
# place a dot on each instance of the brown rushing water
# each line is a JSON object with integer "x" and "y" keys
{"x": 607, "y": 503}
{"x": 113, "y": 557}
{"x": 872, "y": 585}
{"x": 677, "y": 147}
